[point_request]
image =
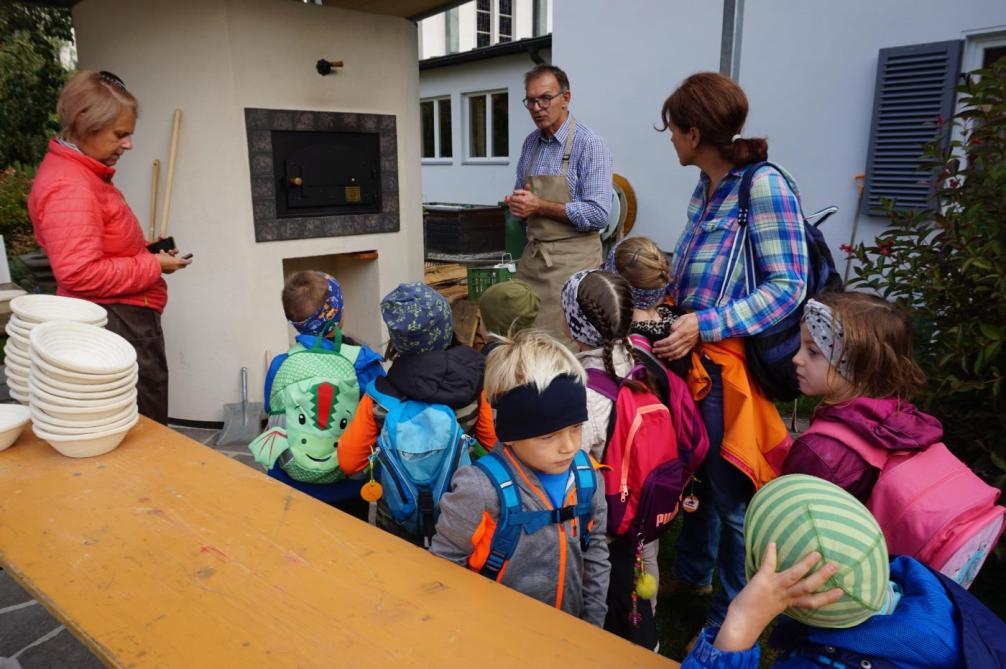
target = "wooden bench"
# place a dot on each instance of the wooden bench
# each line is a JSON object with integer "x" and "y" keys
{"x": 164, "y": 553}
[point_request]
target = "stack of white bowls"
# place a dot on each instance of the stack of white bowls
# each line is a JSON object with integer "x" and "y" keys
{"x": 81, "y": 387}
{"x": 30, "y": 311}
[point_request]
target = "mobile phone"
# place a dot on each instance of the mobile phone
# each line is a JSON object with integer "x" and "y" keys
{"x": 187, "y": 256}
{"x": 166, "y": 244}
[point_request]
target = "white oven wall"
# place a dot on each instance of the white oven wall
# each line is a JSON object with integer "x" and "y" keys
{"x": 212, "y": 59}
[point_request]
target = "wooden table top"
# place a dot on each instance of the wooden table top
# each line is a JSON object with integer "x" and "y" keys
{"x": 165, "y": 553}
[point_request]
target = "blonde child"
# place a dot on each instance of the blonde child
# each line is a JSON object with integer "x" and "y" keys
{"x": 644, "y": 266}
{"x": 537, "y": 388}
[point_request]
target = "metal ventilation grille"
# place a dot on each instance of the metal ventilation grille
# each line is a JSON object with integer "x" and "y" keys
{"x": 915, "y": 87}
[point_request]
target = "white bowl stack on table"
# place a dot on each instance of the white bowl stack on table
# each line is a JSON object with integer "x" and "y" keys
{"x": 29, "y": 311}
{"x": 81, "y": 387}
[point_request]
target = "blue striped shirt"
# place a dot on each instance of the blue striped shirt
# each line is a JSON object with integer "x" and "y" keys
{"x": 589, "y": 175}
{"x": 775, "y": 230}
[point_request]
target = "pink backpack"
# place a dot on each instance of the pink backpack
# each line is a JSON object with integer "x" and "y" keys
{"x": 929, "y": 504}
{"x": 653, "y": 449}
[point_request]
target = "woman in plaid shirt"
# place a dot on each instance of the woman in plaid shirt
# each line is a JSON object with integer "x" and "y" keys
{"x": 705, "y": 116}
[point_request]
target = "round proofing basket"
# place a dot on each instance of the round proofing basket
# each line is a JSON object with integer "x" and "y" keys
{"x": 79, "y": 392}
{"x": 42, "y": 308}
{"x": 82, "y": 400}
{"x": 40, "y": 366}
{"x": 53, "y": 428}
{"x": 79, "y": 423}
{"x": 54, "y": 382}
{"x": 82, "y": 348}
{"x": 69, "y": 412}
{"x": 86, "y": 446}
{"x": 13, "y": 418}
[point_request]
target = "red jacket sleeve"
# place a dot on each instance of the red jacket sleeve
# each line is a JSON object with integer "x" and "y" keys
{"x": 829, "y": 459}
{"x": 71, "y": 229}
{"x": 358, "y": 440}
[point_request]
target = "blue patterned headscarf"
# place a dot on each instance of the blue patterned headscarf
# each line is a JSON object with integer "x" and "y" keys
{"x": 418, "y": 319}
{"x": 330, "y": 310}
{"x": 642, "y": 298}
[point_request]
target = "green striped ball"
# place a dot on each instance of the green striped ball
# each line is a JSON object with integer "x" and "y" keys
{"x": 802, "y": 514}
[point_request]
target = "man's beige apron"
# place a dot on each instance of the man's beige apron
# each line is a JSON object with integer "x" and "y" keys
{"x": 555, "y": 250}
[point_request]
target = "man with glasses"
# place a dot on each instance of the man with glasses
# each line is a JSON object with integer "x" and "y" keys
{"x": 563, "y": 191}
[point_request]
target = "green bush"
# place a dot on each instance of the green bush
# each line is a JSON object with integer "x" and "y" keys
{"x": 947, "y": 266}
{"x": 15, "y": 226}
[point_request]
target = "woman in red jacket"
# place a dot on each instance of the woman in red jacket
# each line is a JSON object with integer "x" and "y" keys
{"x": 93, "y": 239}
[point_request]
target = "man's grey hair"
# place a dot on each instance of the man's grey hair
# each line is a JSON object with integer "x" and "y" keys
{"x": 545, "y": 68}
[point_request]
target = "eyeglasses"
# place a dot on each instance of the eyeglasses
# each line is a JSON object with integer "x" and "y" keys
{"x": 544, "y": 101}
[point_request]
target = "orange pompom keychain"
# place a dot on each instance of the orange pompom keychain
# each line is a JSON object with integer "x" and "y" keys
{"x": 371, "y": 490}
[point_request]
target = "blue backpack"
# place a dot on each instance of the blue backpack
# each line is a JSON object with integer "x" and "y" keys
{"x": 513, "y": 520}
{"x": 770, "y": 352}
{"x": 420, "y": 447}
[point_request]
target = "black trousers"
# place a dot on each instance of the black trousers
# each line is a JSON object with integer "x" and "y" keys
{"x": 141, "y": 327}
{"x": 622, "y": 554}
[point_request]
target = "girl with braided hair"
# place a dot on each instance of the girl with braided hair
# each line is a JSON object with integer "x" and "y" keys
{"x": 598, "y": 309}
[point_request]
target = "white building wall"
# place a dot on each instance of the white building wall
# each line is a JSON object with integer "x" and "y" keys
{"x": 212, "y": 59}
{"x": 433, "y": 36}
{"x": 432, "y": 29}
{"x": 623, "y": 60}
{"x": 482, "y": 182}
{"x": 810, "y": 79}
{"x": 809, "y": 70}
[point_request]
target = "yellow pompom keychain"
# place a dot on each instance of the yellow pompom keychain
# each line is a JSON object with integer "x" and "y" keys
{"x": 646, "y": 586}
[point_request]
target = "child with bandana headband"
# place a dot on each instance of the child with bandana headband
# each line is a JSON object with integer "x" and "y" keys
{"x": 537, "y": 388}
{"x": 856, "y": 355}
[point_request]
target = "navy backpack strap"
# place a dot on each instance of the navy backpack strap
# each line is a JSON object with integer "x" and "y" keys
{"x": 271, "y": 376}
{"x": 507, "y": 534}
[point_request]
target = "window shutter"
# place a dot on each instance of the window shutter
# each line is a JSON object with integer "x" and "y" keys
{"x": 915, "y": 86}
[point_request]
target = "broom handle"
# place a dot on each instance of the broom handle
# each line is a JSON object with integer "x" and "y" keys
{"x": 154, "y": 183}
{"x": 175, "y": 127}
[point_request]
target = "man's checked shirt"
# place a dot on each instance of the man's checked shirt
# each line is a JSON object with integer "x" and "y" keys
{"x": 589, "y": 175}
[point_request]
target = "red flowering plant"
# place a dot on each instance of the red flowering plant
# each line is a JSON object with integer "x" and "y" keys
{"x": 948, "y": 266}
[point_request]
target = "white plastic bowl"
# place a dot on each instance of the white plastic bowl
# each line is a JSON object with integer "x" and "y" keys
{"x": 53, "y": 428}
{"x": 82, "y": 400}
{"x": 17, "y": 383}
{"x": 67, "y": 376}
{"x": 80, "y": 392}
{"x": 79, "y": 422}
{"x": 69, "y": 412}
{"x": 42, "y": 308}
{"x": 14, "y": 369}
{"x": 19, "y": 396}
{"x": 85, "y": 446}
{"x": 13, "y": 418}
{"x": 82, "y": 348}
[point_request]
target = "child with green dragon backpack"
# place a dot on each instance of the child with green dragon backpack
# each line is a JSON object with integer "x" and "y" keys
{"x": 311, "y": 393}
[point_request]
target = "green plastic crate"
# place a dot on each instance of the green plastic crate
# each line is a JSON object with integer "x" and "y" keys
{"x": 480, "y": 278}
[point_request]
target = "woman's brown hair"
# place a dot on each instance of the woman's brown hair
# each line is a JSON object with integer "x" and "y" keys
{"x": 642, "y": 263}
{"x": 718, "y": 107}
{"x": 877, "y": 337}
{"x": 91, "y": 101}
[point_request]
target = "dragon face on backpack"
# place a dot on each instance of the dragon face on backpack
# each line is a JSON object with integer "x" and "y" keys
{"x": 317, "y": 391}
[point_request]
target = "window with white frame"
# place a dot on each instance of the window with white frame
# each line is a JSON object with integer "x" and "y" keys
{"x": 488, "y": 126}
{"x": 494, "y": 22}
{"x": 435, "y": 115}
